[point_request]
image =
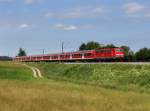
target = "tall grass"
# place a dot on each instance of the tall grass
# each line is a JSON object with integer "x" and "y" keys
{"x": 124, "y": 76}
{"x": 54, "y": 95}
{"x": 63, "y": 96}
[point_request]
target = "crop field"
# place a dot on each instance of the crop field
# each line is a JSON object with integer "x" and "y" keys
{"x": 19, "y": 91}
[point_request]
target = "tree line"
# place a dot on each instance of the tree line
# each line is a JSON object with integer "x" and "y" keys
{"x": 5, "y": 58}
{"x": 142, "y": 54}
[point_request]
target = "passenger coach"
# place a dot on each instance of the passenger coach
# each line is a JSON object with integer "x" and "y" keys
{"x": 93, "y": 55}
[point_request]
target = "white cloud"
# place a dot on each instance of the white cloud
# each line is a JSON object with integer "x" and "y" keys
{"x": 132, "y": 8}
{"x": 136, "y": 10}
{"x": 23, "y": 26}
{"x": 76, "y": 13}
{"x": 71, "y": 27}
{"x": 65, "y": 27}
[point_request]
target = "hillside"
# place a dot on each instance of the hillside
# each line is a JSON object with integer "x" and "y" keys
{"x": 122, "y": 76}
{"x": 19, "y": 91}
{"x": 9, "y": 70}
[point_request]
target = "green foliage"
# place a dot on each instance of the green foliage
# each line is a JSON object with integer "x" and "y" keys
{"x": 22, "y": 52}
{"x": 143, "y": 54}
{"x": 110, "y": 46}
{"x": 89, "y": 46}
{"x": 129, "y": 54}
{"x": 5, "y": 58}
{"x": 127, "y": 49}
{"x": 82, "y": 47}
{"x": 107, "y": 75}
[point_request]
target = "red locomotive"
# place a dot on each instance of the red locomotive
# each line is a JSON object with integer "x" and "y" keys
{"x": 99, "y": 54}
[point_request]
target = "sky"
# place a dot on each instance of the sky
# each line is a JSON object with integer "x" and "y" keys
{"x": 44, "y": 24}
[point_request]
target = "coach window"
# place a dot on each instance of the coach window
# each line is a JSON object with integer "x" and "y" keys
{"x": 98, "y": 51}
{"x": 88, "y": 54}
{"x": 61, "y": 56}
{"x": 39, "y": 57}
{"x": 77, "y": 55}
{"x": 46, "y": 57}
{"x": 67, "y": 56}
{"x": 54, "y": 57}
{"x": 108, "y": 51}
{"x": 101, "y": 51}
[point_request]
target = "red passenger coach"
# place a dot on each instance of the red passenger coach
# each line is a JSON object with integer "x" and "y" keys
{"x": 99, "y": 54}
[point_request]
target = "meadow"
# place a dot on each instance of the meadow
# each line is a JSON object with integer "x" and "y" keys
{"x": 115, "y": 76}
{"x": 22, "y": 92}
{"x": 9, "y": 70}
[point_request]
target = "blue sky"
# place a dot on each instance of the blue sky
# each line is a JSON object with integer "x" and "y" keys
{"x": 44, "y": 24}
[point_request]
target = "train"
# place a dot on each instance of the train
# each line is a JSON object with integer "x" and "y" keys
{"x": 87, "y": 55}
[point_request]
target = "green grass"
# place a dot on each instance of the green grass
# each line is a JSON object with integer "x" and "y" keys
{"x": 20, "y": 92}
{"x": 122, "y": 76}
{"x": 48, "y": 95}
{"x": 9, "y": 70}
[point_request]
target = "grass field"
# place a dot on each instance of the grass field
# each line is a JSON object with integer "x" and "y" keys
{"x": 10, "y": 70}
{"x": 31, "y": 94}
{"x": 62, "y": 96}
{"x": 116, "y": 76}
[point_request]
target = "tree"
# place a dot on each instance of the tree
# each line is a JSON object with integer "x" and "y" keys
{"x": 5, "y": 58}
{"x": 82, "y": 46}
{"x": 110, "y": 46}
{"x": 129, "y": 54}
{"x": 22, "y": 52}
{"x": 143, "y": 54}
{"x": 89, "y": 46}
{"x": 92, "y": 45}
